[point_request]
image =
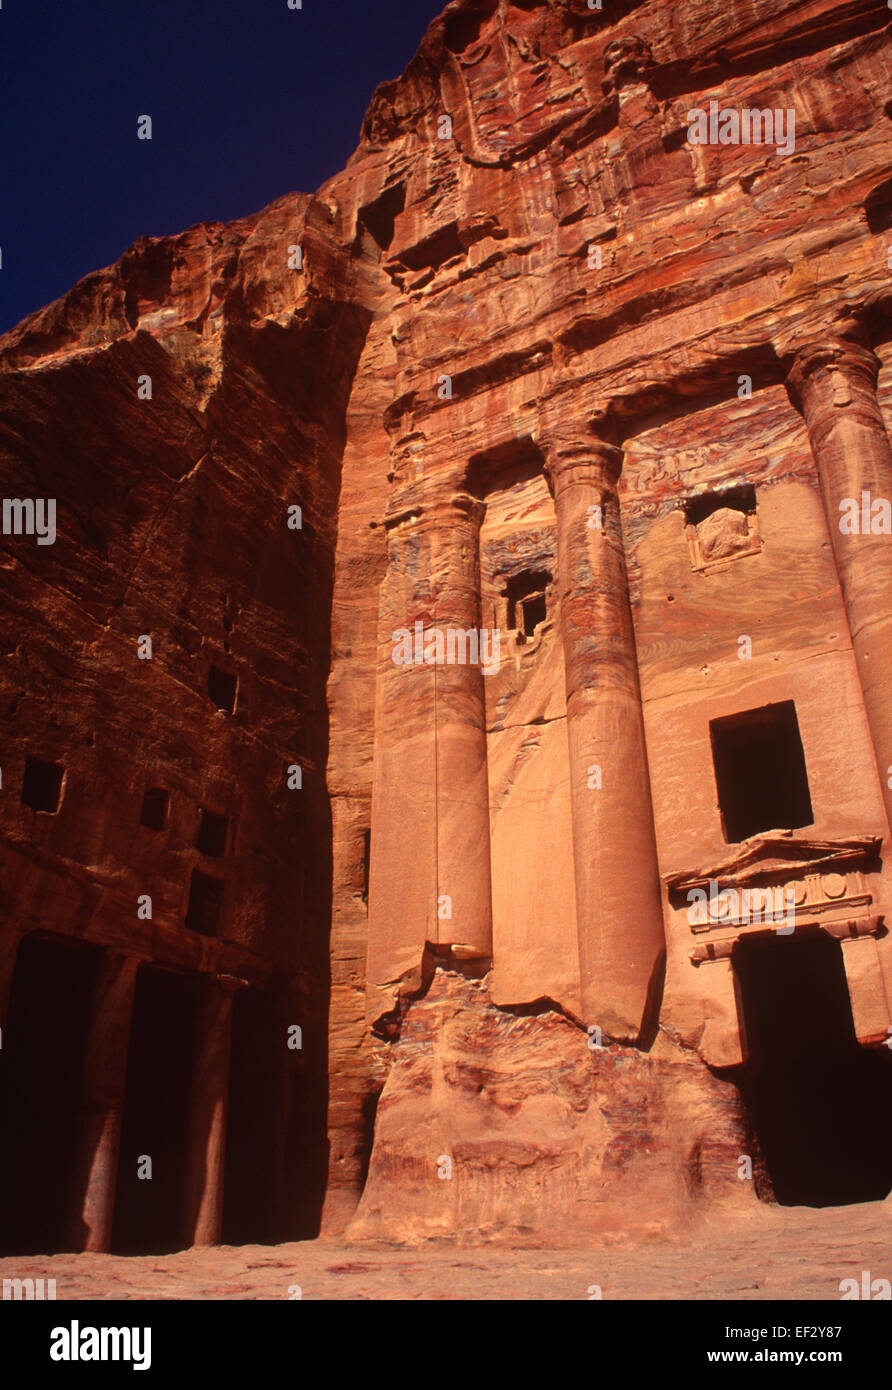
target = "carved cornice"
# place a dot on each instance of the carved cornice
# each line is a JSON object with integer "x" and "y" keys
{"x": 778, "y": 855}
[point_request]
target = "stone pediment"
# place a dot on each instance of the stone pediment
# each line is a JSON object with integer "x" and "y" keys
{"x": 778, "y": 854}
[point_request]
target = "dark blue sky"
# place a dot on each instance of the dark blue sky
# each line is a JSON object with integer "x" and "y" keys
{"x": 249, "y": 100}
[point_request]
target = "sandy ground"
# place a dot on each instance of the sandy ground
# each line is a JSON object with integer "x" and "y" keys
{"x": 794, "y": 1253}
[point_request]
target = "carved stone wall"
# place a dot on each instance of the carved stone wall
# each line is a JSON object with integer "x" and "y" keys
{"x": 551, "y": 368}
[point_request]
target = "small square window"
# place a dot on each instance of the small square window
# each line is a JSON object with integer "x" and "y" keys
{"x": 222, "y": 687}
{"x": 212, "y": 831}
{"x": 205, "y": 909}
{"x": 42, "y": 785}
{"x": 155, "y": 808}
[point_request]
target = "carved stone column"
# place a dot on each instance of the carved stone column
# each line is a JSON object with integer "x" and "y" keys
{"x": 95, "y": 1163}
{"x": 464, "y": 883}
{"x": 834, "y": 384}
{"x": 403, "y": 845}
{"x": 10, "y": 936}
{"x": 723, "y": 1042}
{"x": 206, "y": 1152}
{"x": 430, "y": 866}
{"x": 618, "y": 905}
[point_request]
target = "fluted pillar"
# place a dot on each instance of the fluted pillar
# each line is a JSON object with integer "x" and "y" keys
{"x": 618, "y": 906}
{"x": 429, "y": 875}
{"x": 95, "y": 1163}
{"x": 834, "y": 384}
{"x": 206, "y": 1151}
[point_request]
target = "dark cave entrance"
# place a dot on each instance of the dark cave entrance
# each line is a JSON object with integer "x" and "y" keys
{"x": 820, "y": 1105}
{"x": 149, "y": 1212}
{"x": 41, "y": 1063}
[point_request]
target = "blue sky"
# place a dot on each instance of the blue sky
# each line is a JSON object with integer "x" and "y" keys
{"x": 249, "y": 100}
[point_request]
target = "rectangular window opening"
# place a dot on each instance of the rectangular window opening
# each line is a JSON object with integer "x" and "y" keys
{"x": 42, "y": 785}
{"x": 222, "y": 687}
{"x": 760, "y": 772}
{"x": 212, "y": 833}
{"x": 527, "y": 601}
{"x": 205, "y": 910}
{"x": 155, "y": 808}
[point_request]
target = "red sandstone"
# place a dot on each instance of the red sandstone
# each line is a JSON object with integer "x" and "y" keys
{"x": 555, "y": 372}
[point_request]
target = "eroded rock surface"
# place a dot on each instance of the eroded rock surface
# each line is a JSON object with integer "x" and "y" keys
{"x": 505, "y": 1127}
{"x": 539, "y": 362}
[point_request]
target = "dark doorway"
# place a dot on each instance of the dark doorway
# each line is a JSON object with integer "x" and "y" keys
{"x": 820, "y": 1104}
{"x": 40, "y": 1091}
{"x": 760, "y": 772}
{"x": 249, "y": 1175}
{"x": 149, "y": 1210}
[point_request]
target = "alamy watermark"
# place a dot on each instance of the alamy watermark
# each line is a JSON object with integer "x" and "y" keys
{"x": 76, "y": 1343}
{"x": 768, "y": 905}
{"x": 452, "y": 646}
{"x": 30, "y": 516}
{"x": 29, "y": 1290}
{"x": 725, "y": 126}
{"x": 871, "y": 516}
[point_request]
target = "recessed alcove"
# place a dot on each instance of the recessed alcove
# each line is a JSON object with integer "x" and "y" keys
{"x": 722, "y": 525}
{"x": 378, "y": 219}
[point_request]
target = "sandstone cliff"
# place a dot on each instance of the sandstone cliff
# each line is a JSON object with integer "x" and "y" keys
{"x": 527, "y": 219}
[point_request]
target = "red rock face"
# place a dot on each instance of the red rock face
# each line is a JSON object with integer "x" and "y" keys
{"x": 489, "y": 1121}
{"x": 572, "y": 363}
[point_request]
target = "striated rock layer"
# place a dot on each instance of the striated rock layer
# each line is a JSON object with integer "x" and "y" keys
{"x": 539, "y": 364}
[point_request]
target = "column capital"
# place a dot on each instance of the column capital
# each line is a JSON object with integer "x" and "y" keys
{"x": 466, "y": 504}
{"x": 587, "y": 454}
{"x": 429, "y": 508}
{"x": 844, "y": 350}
